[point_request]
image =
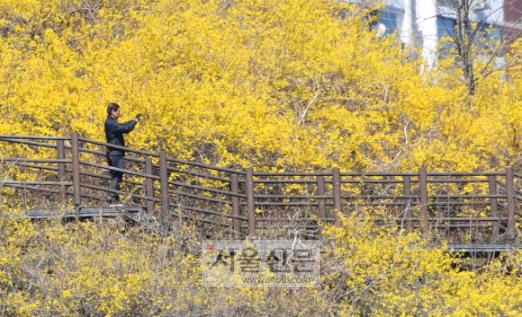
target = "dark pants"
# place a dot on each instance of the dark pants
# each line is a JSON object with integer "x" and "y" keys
{"x": 116, "y": 177}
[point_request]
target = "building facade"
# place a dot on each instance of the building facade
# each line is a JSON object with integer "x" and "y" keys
{"x": 429, "y": 22}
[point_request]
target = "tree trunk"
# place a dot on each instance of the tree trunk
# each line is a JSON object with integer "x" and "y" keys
{"x": 464, "y": 42}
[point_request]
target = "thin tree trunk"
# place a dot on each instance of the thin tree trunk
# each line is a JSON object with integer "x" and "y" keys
{"x": 464, "y": 43}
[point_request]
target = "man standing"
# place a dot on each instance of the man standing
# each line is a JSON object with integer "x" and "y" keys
{"x": 115, "y": 157}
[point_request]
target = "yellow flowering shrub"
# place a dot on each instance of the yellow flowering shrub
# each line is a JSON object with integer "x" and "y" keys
{"x": 112, "y": 269}
{"x": 278, "y": 85}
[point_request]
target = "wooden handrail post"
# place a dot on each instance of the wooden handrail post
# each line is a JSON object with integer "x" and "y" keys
{"x": 164, "y": 180}
{"x": 510, "y": 195}
{"x": 149, "y": 185}
{"x": 494, "y": 210}
{"x": 76, "y": 170}
{"x": 406, "y": 181}
{"x": 60, "y": 154}
{"x": 338, "y": 207}
{"x": 249, "y": 183}
{"x": 320, "y": 192}
{"x": 423, "y": 186}
{"x": 234, "y": 187}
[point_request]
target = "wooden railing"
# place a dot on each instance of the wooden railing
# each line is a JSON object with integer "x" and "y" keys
{"x": 57, "y": 172}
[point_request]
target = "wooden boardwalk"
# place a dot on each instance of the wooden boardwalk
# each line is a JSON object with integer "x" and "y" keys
{"x": 48, "y": 173}
{"x": 133, "y": 213}
{"x": 483, "y": 248}
{"x": 81, "y": 213}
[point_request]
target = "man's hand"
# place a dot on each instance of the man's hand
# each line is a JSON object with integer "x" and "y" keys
{"x": 138, "y": 117}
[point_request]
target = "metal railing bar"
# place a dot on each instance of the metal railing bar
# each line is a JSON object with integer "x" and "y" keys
{"x": 449, "y": 174}
{"x": 11, "y": 159}
{"x": 133, "y": 159}
{"x": 379, "y": 174}
{"x": 459, "y": 203}
{"x": 30, "y": 143}
{"x": 191, "y": 218}
{"x": 432, "y": 181}
{"x": 206, "y": 211}
{"x": 380, "y": 196}
{"x": 455, "y": 225}
{"x": 468, "y": 219}
{"x": 293, "y": 197}
{"x": 215, "y": 200}
{"x": 292, "y": 174}
{"x": 126, "y": 149}
{"x": 300, "y": 219}
{"x": 268, "y": 227}
{"x": 130, "y": 150}
{"x": 467, "y": 196}
{"x": 221, "y": 169}
{"x": 208, "y": 189}
{"x": 127, "y": 158}
{"x": 43, "y": 183}
{"x": 381, "y": 219}
{"x": 457, "y": 180}
{"x": 350, "y": 203}
{"x": 129, "y": 172}
{"x": 370, "y": 181}
{"x": 33, "y": 137}
{"x": 132, "y": 196}
{"x": 107, "y": 177}
{"x": 101, "y": 176}
{"x": 258, "y": 203}
{"x": 369, "y": 204}
{"x": 94, "y": 197}
{"x": 177, "y": 170}
{"x": 500, "y": 183}
{"x": 44, "y": 167}
{"x": 19, "y": 186}
{"x": 284, "y": 181}
{"x": 461, "y": 225}
{"x": 106, "y": 190}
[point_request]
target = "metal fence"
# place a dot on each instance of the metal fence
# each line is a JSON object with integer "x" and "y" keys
{"x": 61, "y": 172}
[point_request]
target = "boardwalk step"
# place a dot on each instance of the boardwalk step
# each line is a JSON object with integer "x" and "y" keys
{"x": 474, "y": 247}
{"x": 84, "y": 212}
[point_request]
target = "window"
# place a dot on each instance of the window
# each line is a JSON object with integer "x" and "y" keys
{"x": 446, "y": 35}
{"x": 388, "y": 22}
{"x": 445, "y": 27}
{"x": 448, "y": 4}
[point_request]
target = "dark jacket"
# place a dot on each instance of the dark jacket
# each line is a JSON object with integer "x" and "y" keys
{"x": 114, "y": 132}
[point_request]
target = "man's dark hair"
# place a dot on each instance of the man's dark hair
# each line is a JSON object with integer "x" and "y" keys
{"x": 112, "y": 107}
